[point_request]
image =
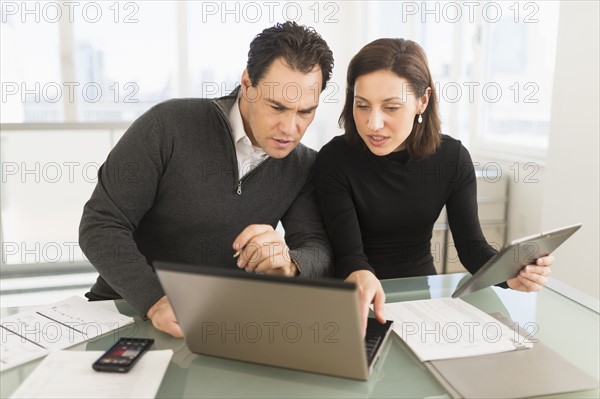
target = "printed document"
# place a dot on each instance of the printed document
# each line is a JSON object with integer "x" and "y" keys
{"x": 447, "y": 328}
{"x": 34, "y": 333}
{"x": 69, "y": 374}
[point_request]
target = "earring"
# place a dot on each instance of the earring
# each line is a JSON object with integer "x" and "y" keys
{"x": 420, "y": 120}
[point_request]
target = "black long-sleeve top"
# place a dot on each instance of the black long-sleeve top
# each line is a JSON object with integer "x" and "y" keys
{"x": 379, "y": 212}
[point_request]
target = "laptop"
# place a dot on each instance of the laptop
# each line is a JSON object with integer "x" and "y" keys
{"x": 507, "y": 263}
{"x": 309, "y": 325}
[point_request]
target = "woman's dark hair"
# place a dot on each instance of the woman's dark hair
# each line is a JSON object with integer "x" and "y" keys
{"x": 301, "y": 47}
{"x": 406, "y": 59}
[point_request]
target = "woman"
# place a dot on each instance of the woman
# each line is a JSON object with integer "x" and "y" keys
{"x": 381, "y": 186}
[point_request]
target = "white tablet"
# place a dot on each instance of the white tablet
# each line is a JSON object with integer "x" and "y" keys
{"x": 507, "y": 263}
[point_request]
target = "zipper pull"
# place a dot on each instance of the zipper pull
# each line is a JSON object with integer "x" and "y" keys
{"x": 239, "y": 188}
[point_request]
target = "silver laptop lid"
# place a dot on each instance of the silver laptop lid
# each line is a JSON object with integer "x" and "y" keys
{"x": 287, "y": 322}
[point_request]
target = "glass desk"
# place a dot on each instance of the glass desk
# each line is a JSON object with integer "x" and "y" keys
{"x": 568, "y": 327}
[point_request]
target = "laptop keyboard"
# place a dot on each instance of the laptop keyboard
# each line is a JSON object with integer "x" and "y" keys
{"x": 371, "y": 345}
{"x": 376, "y": 332}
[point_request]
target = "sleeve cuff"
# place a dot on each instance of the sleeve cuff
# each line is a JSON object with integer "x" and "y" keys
{"x": 345, "y": 267}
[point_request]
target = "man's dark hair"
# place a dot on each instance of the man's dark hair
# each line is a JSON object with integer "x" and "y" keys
{"x": 301, "y": 47}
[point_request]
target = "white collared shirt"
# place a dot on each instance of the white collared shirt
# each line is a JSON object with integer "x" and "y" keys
{"x": 248, "y": 156}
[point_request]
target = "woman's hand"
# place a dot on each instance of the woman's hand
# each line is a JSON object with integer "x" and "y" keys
{"x": 369, "y": 291}
{"x": 532, "y": 277}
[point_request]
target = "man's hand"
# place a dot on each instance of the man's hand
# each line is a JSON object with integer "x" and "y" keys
{"x": 263, "y": 250}
{"x": 369, "y": 291}
{"x": 532, "y": 277}
{"x": 163, "y": 317}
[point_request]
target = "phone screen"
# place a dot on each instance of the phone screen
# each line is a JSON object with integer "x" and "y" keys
{"x": 123, "y": 354}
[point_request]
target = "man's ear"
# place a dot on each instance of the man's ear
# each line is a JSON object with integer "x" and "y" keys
{"x": 424, "y": 100}
{"x": 246, "y": 83}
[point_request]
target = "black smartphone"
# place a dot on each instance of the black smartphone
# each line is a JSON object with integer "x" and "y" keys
{"x": 122, "y": 356}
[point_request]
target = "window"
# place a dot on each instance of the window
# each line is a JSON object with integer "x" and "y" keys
{"x": 47, "y": 176}
{"x": 30, "y": 93}
{"x": 84, "y": 70}
{"x": 492, "y": 63}
{"x": 444, "y": 31}
{"x": 127, "y": 61}
{"x": 108, "y": 62}
{"x": 517, "y": 53}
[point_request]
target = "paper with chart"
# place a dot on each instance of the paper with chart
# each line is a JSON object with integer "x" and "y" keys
{"x": 447, "y": 328}
{"x": 53, "y": 378}
{"x": 34, "y": 333}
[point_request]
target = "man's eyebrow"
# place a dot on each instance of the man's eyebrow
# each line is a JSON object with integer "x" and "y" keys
{"x": 282, "y": 106}
{"x": 278, "y": 104}
{"x": 309, "y": 109}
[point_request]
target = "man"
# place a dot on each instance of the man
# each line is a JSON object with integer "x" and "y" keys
{"x": 203, "y": 181}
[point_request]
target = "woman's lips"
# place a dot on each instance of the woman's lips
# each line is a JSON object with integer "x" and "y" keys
{"x": 377, "y": 140}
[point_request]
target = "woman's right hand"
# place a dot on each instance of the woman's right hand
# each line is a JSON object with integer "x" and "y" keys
{"x": 369, "y": 291}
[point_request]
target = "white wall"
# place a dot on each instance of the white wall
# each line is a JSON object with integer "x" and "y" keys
{"x": 572, "y": 175}
{"x": 526, "y": 188}
{"x": 564, "y": 189}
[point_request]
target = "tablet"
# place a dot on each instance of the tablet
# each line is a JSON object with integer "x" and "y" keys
{"x": 507, "y": 263}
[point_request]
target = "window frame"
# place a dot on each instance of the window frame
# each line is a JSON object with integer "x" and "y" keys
{"x": 474, "y": 137}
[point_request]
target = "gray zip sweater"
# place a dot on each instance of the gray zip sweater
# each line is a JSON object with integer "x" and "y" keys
{"x": 169, "y": 190}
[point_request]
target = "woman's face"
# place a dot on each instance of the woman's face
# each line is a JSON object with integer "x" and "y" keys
{"x": 384, "y": 110}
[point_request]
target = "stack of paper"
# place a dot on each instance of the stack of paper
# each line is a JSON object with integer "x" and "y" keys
{"x": 449, "y": 328}
{"x": 34, "y": 333}
{"x": 444, "y": 332}
{"x": 69, "y": 374}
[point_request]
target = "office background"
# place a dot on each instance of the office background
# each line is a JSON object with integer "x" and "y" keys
{"x": 518, "y": 84}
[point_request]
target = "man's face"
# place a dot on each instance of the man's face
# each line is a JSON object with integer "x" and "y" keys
{"x": 277, "y": 111}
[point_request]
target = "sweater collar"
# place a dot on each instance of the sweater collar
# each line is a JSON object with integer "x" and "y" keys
{"x": 224, "y": 104}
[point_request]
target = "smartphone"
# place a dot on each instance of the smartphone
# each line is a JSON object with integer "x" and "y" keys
{"x": 123, "y": 355}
